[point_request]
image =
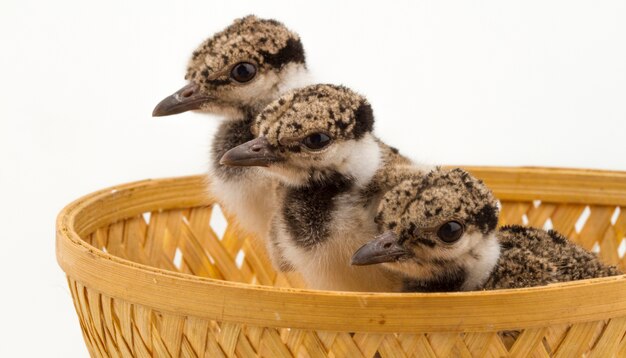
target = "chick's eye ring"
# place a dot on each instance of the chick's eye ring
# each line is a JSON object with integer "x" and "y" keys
{"x": 243, "y": 72}
{"x": 450, "y": 231}
{"x": 316, "y": 141}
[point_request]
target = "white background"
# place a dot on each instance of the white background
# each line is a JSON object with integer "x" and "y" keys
{"x": 455, "y": 82}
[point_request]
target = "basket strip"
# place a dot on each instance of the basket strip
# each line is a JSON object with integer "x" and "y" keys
{"x": 258, "y": 264}
{"x": 272, "y": 345}
{"x": 554, "y": 336}
{"x": 134, "y": 238}
{"x": 622, "y": 348}
{"x": 115, "y": 239}
{"x": 347, "y": 343}
{"x": 599, "y": 221}
{"x": 292, "y": 338}
{"x": 620, "y": 223}
{"x": 312, "y": 345}
{"x": 527, "y": 342}
{"x": 512, "y": 213}
{"x": 213, "y": 348}
{"x": 442, "y": 343}
{"x": 608, "y": 344}
{"x": 186, "y": 350}
{"x": 171, "y": 331}
{"x": 540, "y": 214}
{"x": 228, "y": 337}
{"x": 233, "y": 239}
{"x": 495, "y": 348}
{"x": 609, "y": 248}
{"x": 244, "y": 348}
{"x": 90, "y": 339}
{"x": 158, "y": 346}
{"x": 565, "y": 217}
{"x": 462, "y": 350}
{"x": 223, "y": 261}
{"x": 368, "y": 342}
{"x": 112, "y": 329}
{"x": 195, "y": 257}
{"x": 555, "y": 185}
{"x": 417, "y": 345}
{"x": 390, "y": 347}
{"x": 578, "y": 340}
{"x": 540, "y": 352}
{"x": 477, "y": 343}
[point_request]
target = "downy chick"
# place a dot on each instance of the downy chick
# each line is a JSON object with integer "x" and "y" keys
{"x": 236, "y": 73}
{"x": 440, "y": 233}
{"x": 318, "y": 142}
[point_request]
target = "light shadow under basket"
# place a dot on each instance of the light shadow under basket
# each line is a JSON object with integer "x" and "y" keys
{"x": 150, "y": 276}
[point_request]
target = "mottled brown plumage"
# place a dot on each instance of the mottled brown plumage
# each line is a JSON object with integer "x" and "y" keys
{"x": 329, "y": 109}
{"x": 535, "y": 257}
{"x": 264, "y": 41}
{"x": 328, "y": 195}
{"x": 417, "y": 216}
{"x": 426, "y": 201}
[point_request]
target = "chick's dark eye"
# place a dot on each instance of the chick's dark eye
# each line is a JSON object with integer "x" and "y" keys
{"x": 450, "y": 231}
{"x": 243, "y": 72}
{"x": 316, "y": 141}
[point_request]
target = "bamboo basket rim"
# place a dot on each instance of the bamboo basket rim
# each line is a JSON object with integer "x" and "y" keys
{"x": 189, "y": 295}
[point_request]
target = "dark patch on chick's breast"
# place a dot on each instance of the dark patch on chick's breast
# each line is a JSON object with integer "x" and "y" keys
{"x": 307, "y": 211}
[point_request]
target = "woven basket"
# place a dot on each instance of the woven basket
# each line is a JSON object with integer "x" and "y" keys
{"x": 150, "y": 277}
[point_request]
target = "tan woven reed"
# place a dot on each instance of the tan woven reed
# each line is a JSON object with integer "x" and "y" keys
{"x": 169, "y": 286}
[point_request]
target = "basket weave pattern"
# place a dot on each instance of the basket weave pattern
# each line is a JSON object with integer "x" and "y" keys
{"x": 177, "y": 236}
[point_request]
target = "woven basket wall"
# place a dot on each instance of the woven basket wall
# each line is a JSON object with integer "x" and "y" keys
{"x": 150, "y": 276}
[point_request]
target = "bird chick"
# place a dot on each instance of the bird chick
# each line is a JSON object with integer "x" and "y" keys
{"x": 318, "y": 143}
{"x": 440, "y": 233}
{"x": 239, "y": 70}
{"x": 236, "y": 73}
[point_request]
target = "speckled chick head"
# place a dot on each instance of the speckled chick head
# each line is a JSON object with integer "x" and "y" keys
{"x": 274, "y": 52}
{"x": 320, "y": 130}
{"x": 435, "y": 198}
{"x": 419, "y": 212}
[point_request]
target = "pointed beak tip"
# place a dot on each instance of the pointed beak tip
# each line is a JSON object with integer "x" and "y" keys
{"x": 188, "y": 98}
{"x": 230, "y": 157}
{"x": 254, "y": 153}
{"x": 156, "y": 112}
{"x": 383, "y": 248}
{"x": 355, "y": 262}
{"x": 361, "y": 256}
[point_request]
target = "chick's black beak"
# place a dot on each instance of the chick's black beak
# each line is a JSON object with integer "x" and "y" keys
{"x": 384, "y": 248}
{"x": 255, "y": 153}
{"x": 185, "y": 99}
